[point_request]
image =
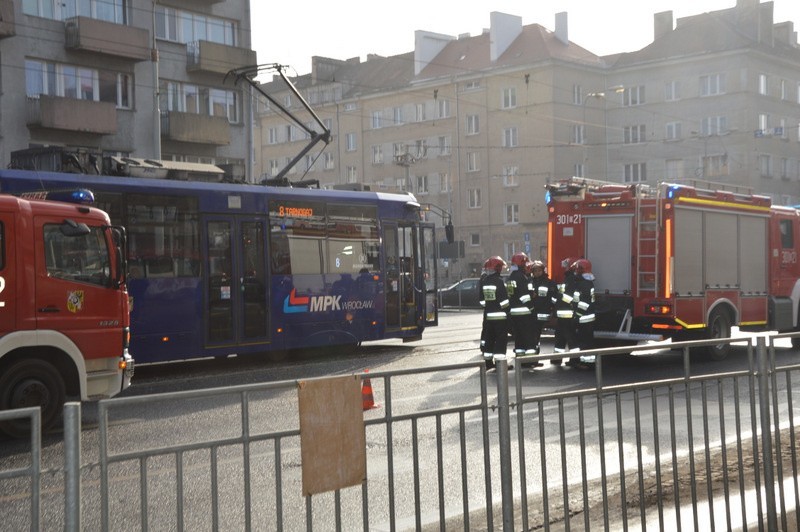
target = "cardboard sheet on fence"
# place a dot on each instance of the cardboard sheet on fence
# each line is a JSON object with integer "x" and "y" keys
{"x": 332, "y": 434}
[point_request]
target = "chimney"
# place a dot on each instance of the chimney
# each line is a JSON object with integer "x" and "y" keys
{"x": 504, "y": 29}
{"x": 765, "y": 23}
{"x": 784, "y": 32}
{"x": 427, "y": 46}
{"x": 562, "y": 27}
{"x": 662, "y": 24}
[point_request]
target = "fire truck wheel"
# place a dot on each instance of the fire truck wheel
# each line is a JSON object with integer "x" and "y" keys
{"x": 719, "y": 327}
{"x": 27, "y": 383}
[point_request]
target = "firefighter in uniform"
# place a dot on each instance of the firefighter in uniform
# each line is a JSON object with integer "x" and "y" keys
{"x": 521, "y": 315}
{"x": 564, "y": 339}
{"x": 494, "y": 300}
{"x": 543, "y": 290}
{"x": 583, "y": 299}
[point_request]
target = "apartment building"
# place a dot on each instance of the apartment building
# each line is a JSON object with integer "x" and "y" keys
{"x": 477, "y": 125}
{"x": 139, "y": 78}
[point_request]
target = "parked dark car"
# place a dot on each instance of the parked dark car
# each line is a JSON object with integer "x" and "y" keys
{"x": 464, "y": 293}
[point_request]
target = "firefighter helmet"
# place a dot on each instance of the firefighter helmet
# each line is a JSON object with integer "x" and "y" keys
{"x": 537, "y": 264}
{"x": 582, "y": 266}
{"x": 519, "y": 259}
{"x": 495, "y": 263}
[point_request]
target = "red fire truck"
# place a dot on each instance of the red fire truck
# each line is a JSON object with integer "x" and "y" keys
{"x": 680, "y": 261}
{"x": 64, "y": 322}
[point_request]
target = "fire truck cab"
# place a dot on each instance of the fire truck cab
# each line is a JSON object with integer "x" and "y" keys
{"x": 64, "y": 321}
{"x": 680, "y": 261}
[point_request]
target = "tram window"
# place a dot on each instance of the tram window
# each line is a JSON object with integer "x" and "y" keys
{"x": 163, "y": 238}
{"x": 312, "y": 238}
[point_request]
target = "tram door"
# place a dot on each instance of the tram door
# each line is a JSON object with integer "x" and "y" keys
{"x": 236, "y": 288}
{"x": 400, "y": 248}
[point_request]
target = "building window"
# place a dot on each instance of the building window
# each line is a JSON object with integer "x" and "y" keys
{"x": 350, "y": 142}
{"x": 634, "y": 134}
{"x": 509, "y": 98}
{"x": 444, "y": 182}
{"x": 57, "y": 79}
{"x": 712, "y": 85}
{"x": 117, "y": 88}
{"x": 671, "y": 91}
{"x": 474, "y": 198}
{"x": 472, "y": 85}
{"x": 286, "y": 162}
{"x": 578, "y": 170}
{"x": 473, "y": 161}
{"x": 512, "y": 213}
{"x": 377, "y": 154}
{"x": 274, "y": 167}
{"x": 188, "y": 98}
{"x": 420, "y": 112}
{"x": 421, "y": 147}
{"x": 310, "y": 159}
{"x": 765, "y": 165}
{"x": 715, "y": 165}
{"x": 474, "y": 239}
{"x": 422, "y": 184}
{"x": 633, "y": 96}
{"x": 784, "y": 168}
{"x": 444, "y": 145}
{"x": 182, "y": 26}
{"x": 673, "y": 131}
{"x": 376, "y": 119}
{"x": 577, "y": 95}
{"x": 674, "y": 169}
{"x": 272, "y": 135}
{"x": 511, "y": 176}
{"x": 442, "y": 108}
{"x": 473, "y": 125}
{"x": 578, "y": 134}
{"x": 350, "y": 106}
{"x": 784, "y": 90}
{"x": 635, "y": 173}
{"x": 117, "y": 11}
{"x": 513, "y": 248}
{"x": 510, "y": 137}
{"x": 352, "y": 174}
{"x": 328, "y": 159}
{"x": 714, "y": 125}
{"x": 763, "y": 85}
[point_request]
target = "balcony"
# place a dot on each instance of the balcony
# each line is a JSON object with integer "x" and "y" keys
{"x": 200, "y": 129}
{"x": 118, "y": 40}
{"x": 7, "y": 28}
{"x": 215, "y": 58}
{"x": 69, "y": 114}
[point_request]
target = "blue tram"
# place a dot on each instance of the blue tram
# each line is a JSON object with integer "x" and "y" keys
{"x": 216, "y": 269}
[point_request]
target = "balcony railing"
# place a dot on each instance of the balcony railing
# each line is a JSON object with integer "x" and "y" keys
{"x": 191, "y": 127}
{"x": 84, "y": 33}
{"x": 207, "y": 56}
{"x": 69, "y": 114}
{"x": 7, "y": 26}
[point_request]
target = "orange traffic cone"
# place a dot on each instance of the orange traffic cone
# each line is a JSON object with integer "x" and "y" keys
{"x": 367, "y": 399}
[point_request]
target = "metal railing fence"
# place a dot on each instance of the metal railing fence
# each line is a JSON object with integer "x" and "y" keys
{"x": 713, "y": 451}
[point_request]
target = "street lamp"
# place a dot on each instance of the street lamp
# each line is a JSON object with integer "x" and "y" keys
{"x": 598, "y": 95}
